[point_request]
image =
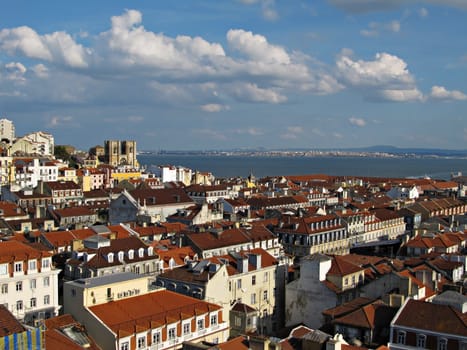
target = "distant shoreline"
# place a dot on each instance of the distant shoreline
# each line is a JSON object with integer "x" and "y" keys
{"x": 310, "y": 154}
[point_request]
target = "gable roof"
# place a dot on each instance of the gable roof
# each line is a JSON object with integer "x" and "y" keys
{"x": 8, "y": 323}
{"x": 208, "y": 240}
{"x": 144, "y": 312}
{"x": 414, "y": 314}
{"x": 341, "y": 267}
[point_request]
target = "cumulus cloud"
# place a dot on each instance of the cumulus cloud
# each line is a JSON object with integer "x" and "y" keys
{"x": 253, "y": 93}
{"x": 58, "y": 47}
{"x": 14, "y": 71}
{"x": 256, "y": 47}
{"x": 386, "y": 77}
{"x": 357, "y": 121}
{"x": 441, "y": 93}
{"x": 140, "y": 65}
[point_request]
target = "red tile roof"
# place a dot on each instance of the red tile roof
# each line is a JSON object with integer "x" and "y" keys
{"x": 16, "y": 251}
{"x": 160, "y": 307}
{"x": 8, "y": 323}
{"x": 415, "y": 313}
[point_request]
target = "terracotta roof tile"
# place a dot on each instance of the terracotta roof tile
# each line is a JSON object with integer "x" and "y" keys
{"x": 162, "y": 306}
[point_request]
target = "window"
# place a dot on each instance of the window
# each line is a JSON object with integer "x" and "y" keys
{"x": 265, "y": 295}
{"x": 200, "y": 323}
{"x": 125, "y": 346}
{"x": 442, "y": 344}
{"x": 33, "y": 283}
{"x": 239, "y": 283}
{"x": 46, "y": 281}
{"x": 401, "y": 337}
{"x": 253, "y": 298}
{"x": 186, "y": 328}
{"x": 18, "y": 267}
{"x": 253, "y": 280}
{"x": 171, "y": 333}
{"x": 32, "y": 265}
{"x": 230, "y": 286}
{"x": 141, "y": 342}
{"x": 45, "y": 263}
{"x": 19, "y": 305}
{"x": 346, "y": 281}
{"x": 213, "y": 320}
{"x": 5, "y": 288}
{"x": 156, "y": 338}
{"x": 19, "y": 286}
{"x": 33, "y": 302}
{"x": 46, "y": 299}
{"x": 238, "y": 321}
{"x": 265, "y": 277}
{"x": 421, "y": 340}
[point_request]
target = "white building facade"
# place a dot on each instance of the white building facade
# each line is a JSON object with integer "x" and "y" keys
{"x": 28, "y": 282}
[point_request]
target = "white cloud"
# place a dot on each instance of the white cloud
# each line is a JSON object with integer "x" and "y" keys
{"x": 269, "y": 10}
{"x": 127, "y": 59}
{"x": 213, "y": 108}
{"x": 440, "y": 93}
{"x": 130, "y": 45}
{"x": 385, "y": 77}
{"x": 58, "y": 47}
{"x": 253, "y": 93}
{"x": 40, "y": 70}
{"x": 375, "y": 28}
{"x": 256, "y": 47}
{"x": 14, "y": 71}
{"x": 57, "y": 121}
{"x": 357, "y": 121}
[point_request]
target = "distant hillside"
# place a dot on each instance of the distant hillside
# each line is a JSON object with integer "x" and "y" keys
{"x": 420, "y": 151}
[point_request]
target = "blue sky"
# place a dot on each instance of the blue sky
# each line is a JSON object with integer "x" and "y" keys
{"x": 237, "y": 74}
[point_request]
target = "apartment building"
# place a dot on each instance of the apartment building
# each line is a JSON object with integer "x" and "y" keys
{"x": 252, "y": 277}
{"x": 317, "y": 234}
{"x": 418, "y": 325}
{"x": 121, "y": 313}
{"x": 29, "y": 282}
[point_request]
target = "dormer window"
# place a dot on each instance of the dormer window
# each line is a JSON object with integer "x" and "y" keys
{"x": 150, "y": 251}
{"x": 131, "y": 254}
{"x": 110, "y": 257}
{"x": 46, "y": 263}
{"x": 421, "y": 341}
{"x": 141, "y": 252}
{"x": 32, "y": 265}
{"x": 18, "y": 266}
{"x": 120, "y": 256}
